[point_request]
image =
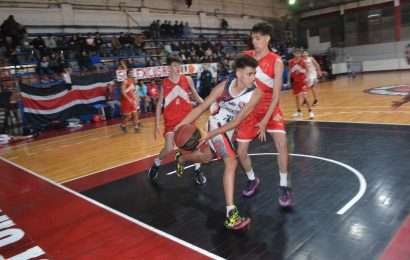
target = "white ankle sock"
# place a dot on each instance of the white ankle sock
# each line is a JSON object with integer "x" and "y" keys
{"x": 283, "y": 179}
{"x": 251, "y": 175}
{"x": 197, "y": 166}
{"x": 228, "y": 209}
{"x": 157, "y": 161}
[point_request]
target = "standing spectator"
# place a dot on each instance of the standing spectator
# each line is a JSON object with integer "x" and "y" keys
{"x": 116, "y": 45}
{"x": 143, "y": 95}
{"x": 153, "y": 93}
{"x": 206, "y": 82}
{"x": 84, "y": 62}
{"x": 187, "y": 30}
{"x": 99, "y": 42}
{"x": 65, "y": 73}
{"x": 50, "y": 42}
{"x": 12, "y": 33}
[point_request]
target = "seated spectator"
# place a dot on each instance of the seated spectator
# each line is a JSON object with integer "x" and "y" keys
{"x": 90, "y": 43}
{"x": 54, "y": 62}
{"x": 43, "y": 68}
{"x": 65, "y": 73}
{"x": 96, "y": 61}
{"x": 84, "y": 62}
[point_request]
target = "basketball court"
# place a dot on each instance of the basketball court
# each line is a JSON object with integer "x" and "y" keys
{"x": 84, "y": 193}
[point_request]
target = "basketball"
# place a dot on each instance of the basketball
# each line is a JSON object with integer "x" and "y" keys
{"x": 187, "y": 137}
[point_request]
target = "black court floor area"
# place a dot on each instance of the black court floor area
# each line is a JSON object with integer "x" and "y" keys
{"x": 351, "y": 187}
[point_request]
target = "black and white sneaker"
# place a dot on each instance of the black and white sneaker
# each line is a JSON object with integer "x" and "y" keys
{"x": 199, "y": 177}
{"x": 153, "y": 172}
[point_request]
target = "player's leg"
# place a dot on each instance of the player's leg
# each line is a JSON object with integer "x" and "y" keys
{"x": 166, "y": 149}
{"x": 233, "y": 219}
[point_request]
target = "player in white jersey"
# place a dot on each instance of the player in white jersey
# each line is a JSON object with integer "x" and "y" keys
{"x": 230, "y": 102}
{"x": 313, "y": 73}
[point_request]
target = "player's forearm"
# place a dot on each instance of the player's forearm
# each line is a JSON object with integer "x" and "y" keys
{"x": 231, "y": 125}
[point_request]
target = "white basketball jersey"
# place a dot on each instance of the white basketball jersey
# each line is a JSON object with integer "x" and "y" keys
{"x": 227, "y": 107}
{"x": 311, "y": 69}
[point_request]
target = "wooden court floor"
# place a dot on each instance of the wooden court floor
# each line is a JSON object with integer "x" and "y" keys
{"x": 67, "y": 157}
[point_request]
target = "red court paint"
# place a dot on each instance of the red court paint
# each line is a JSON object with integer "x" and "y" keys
{"x": 65, "y": 226}
{"x": 399, "y": 247}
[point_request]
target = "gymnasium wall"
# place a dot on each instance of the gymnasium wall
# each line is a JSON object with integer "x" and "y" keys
{"x": 362, "y": 32}
{"x": 374, "y": 57}
{"x": 116, "y": 16}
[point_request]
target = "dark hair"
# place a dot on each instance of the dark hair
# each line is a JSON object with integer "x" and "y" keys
{"x": 171, "y": 59}
{"x": 243, "y": 61}
{"x": 263, "y": 28}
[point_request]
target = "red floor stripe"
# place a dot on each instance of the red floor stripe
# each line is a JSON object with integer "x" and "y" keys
{"x": 399, "y": 246}
{"x": 66, "y": 226}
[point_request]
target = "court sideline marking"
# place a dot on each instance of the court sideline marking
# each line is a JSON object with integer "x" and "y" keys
{"x": 120, "y": 214}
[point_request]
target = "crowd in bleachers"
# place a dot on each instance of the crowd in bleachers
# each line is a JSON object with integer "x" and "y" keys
{"x": 95, "y": 52}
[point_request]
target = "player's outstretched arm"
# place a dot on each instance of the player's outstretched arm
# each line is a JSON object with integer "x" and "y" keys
{"x": 197, "y": 112}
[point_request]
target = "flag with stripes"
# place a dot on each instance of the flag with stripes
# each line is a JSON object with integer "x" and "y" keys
{"x": 59, "y": 102}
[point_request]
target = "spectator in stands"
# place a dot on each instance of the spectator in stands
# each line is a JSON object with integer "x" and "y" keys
{"x": 187, "y": 30}
{"x": 116, "y": 45}
{"x": 89, "y": 43}
{"x": 65, "y": 73}
{"x": 43, "y": 68}
{"x": 12, "y": 33}
{"x": 224, "y": 24}
{"x": 98, "y": 42}
{"x": 54, "y": 62}
{"x": 180, "y": 29}
{"x": 113, "y": 96}
{"x": 153, "y": 93}
{"x": 50, "y": 42}
{"x": 39, "y": 46}
{"x": 143, "y": 96}
{"x": 206, "y": 82}
{"x": 96, "y": 62}
{"x": 84, "y": 62}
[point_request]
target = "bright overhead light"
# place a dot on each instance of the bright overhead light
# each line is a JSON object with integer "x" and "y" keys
{"x": 292, "y": 2}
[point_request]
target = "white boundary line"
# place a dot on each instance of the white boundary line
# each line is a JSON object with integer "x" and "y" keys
{"x": 135, "y": 221}
{"x": 359, "y": 176}
{"x": 347, "y": 122}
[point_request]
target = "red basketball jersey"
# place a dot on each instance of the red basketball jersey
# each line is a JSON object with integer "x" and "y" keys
{"x": 177, "y": 103}
{"x": 297, "y": 70}
{"x": 265, "y": 72}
